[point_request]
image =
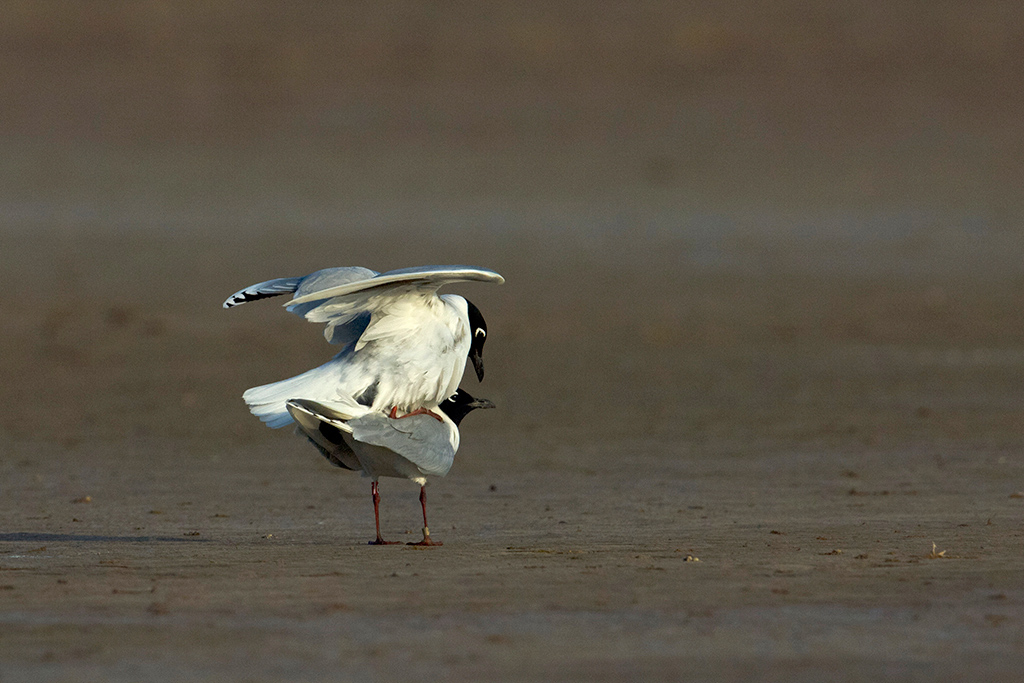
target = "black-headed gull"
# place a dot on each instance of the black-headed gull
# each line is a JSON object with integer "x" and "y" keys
{"x": 404, "y": 347}
{"x": 357, "y": 438}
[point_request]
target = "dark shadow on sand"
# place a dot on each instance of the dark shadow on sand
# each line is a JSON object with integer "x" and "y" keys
{"x": 29, "y": 537}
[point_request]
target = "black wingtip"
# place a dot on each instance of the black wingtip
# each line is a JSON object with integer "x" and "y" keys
{"x": 247, "y": 295}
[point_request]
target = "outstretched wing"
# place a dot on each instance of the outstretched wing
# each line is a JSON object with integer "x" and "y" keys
{"x": 344, "y": 298}
{"x": 350, "y": 305}
{"x": 430, "y": 277}
{"x": 420, "y": 439}
{"x": 340, "y": 330}
{"x": 326, "y": 279}
{"x": 276, "y": 287}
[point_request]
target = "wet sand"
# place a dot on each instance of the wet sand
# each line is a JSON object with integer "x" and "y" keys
{"x": 807, "y": 437}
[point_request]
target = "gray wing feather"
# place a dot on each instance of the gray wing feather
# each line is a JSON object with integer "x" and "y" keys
{"x": 327, "y": 278}
{"x": 425, "y": 275}
{"x": 345, "y": 323}
{"x": 262, "y": 290}
{"x": 342, "y": 330}
{"x": 301, "y": 286}
{"x": 420, "y": 439}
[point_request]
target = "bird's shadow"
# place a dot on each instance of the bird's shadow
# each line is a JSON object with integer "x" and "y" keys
{"x": 31, "y": 537}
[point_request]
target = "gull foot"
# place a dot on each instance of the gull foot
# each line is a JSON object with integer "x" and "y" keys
{"x": 419, "y": 411}
{"x": 427, "y": 540}
{"x": 381, "y": 541}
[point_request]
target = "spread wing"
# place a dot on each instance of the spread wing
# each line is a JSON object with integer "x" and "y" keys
{"x": 346, "y": 308}
{"x": 322, "y": 279}
{"x": 420, "y": 439}
{"x": 262, "y": 290}
{"x": 345, "y": 298}
{"x": 341, "y": 330}
{"x": 427, "y": 277}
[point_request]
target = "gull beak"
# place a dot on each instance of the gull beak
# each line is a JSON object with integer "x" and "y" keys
{"x": 478, "y": 363}
{"x": 482, "y": 403}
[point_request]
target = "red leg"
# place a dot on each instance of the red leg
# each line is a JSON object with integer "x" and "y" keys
{"x": 426, "y": 530}
{"x": 376, "y": 516}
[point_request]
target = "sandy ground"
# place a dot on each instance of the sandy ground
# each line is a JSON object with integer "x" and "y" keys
{"x": 808, "y": 437}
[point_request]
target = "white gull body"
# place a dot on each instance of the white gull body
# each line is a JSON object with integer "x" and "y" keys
{"x": 403, "y": 345}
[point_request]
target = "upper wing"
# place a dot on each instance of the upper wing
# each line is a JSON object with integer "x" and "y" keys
{"x": 342, "y": 297}
{"x": 322, "y": 279}
{"x": 432, "y": 276}
{"x": 346, "y": 308}
{"x": 420, "y": 439}
{"x": 328, "y": 278}
{"x": 341, "y": 330}
{"x": 281, "y": 285}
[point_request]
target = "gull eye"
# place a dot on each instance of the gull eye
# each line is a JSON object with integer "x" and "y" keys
{"x": 479, "y": 332}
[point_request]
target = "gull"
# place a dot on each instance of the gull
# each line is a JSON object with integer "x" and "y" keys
{"x": 404, "y": 347}
{"x": 357, "y": 438}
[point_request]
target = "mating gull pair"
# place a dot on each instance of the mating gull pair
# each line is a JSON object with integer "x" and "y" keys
{"x": 388, "y": 404}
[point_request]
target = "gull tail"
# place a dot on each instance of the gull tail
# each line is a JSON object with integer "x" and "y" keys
{"x": 282, "y": 285}
{"x": 269, "y": 401}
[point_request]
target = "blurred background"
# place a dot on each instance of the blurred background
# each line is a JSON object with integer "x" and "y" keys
{"x": 702, "y": 209}
{"x": 551, "y": 115}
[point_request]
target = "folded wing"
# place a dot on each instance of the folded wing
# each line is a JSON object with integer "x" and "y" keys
{"x": 324, "y": 426}
{"x": 420, "y": 439}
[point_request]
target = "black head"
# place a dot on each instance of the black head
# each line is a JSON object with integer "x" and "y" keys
{"x": 477, "y": 328}
{"x": 461, "y": 404}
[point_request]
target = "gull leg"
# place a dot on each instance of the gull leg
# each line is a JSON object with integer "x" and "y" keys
{"x": 426, "y": 530}
{"x": 376, "y": 515}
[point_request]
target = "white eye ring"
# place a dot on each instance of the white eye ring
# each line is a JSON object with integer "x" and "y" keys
{"x": 480, "y": 332}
